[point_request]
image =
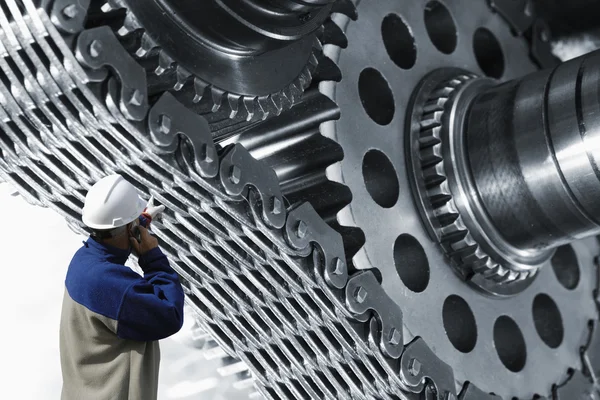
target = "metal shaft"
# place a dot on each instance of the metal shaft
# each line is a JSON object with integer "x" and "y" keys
{"x": 533, "y": 148}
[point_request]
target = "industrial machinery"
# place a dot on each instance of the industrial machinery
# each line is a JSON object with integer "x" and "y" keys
{"x": 376, "y": 199}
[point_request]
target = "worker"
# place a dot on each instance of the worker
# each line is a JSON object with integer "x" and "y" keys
{"x": 112, "y": 317}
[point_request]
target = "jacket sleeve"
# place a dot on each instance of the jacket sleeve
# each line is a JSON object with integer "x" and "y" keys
{"x": 152, "y": 307}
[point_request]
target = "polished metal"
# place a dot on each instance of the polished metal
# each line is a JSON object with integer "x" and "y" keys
{"x": 520, "y": 164}
{"x": 319, "y": 275}
{"x": 359, "y": 134}
{"x": 533, "y": 147}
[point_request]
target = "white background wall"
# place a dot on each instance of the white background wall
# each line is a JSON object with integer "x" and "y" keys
{"x": 36, "y": 247}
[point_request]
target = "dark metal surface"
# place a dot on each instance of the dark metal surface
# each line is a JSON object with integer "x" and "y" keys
{"x": 252, "y": 59}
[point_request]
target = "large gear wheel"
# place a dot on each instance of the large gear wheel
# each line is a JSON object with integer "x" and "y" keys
{"x": 329, "y": 170}
{"x": 250, "y": 71}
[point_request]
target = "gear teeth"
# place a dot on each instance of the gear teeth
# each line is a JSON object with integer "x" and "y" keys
{"x": 345, "y": 7}
{"x": 433, "y": 176}
{"x": 130, "y": 25}
{"x": 431, "y": 156}
{"x": 334, "y": 35}
{"x": 165, "y": 62}
{"x": 216, "y": 98}
{"x": 147, "y": 45}
{"x": 269, "y": 103}
{"x": 304, "y": 80}
{"x": 112, "y": 5}
{"x": 255, "y": 108}
{"x": 328, "y": 70}
{"x": 453, "y": 234}
{"x": 313, "y": 62}
{"x": 233, "y": 102}
{"x": 200, "y": 89}
{"x": 183, "y": 77}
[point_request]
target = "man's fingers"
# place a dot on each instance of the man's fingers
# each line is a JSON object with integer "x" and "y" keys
{"x": 143, "y": 231}
{"x": 134, "y": 244}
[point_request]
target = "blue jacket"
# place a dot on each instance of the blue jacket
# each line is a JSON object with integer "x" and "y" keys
{"x": 111, "y": 320}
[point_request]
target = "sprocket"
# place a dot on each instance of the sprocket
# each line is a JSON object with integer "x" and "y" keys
{"x": 320, "y": 275}
{"x": 242, "y": 81}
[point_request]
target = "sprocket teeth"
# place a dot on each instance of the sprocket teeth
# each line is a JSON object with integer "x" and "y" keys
{"x": 146, "y": 47}
{"x": 328, "y": 70}
{"x": 233, "y": 103}
{"x": 216, "y": 98}
{"x": 435, "y": 105}
{"x": 429, "y": 138}
{"x": 112, "y": 5}
{"x": 165, "y": 62}
{"x": 249, "y": 106}
{"x": 431, "y": 156}
{"x": 334, "y": 35}
{"x": 345, "y": 7}
{"x": 275, "y": 99}
{"x": 304, "y": 80}
{"x": 453, "y": 234}
{"x": 130, "y": 25}
{"x": 432, "y": 176}
{"x": 313, "y": 62}
{"x": 200, "y": 90}
{"x": 431, "y": 120}
{"x": 183, "y": 77}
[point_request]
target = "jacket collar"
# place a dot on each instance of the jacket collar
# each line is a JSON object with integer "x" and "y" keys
{"x": 112, "y": 253}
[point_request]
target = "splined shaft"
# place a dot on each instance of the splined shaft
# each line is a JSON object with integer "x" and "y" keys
{"x": 533, "y": 148}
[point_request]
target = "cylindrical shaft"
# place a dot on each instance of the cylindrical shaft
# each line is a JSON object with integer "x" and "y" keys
{"x": 534, "y": 152}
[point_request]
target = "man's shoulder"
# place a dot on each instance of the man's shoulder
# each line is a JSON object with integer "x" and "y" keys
{"x": 98, "y": 285}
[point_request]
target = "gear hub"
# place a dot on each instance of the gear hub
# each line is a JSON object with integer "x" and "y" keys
{"x": 505, "y": 174}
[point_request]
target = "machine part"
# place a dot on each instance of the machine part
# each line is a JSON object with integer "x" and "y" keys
{"x": 298, "y": 301}
{"x": 258, "y": 66}
{"x": 441, "y": 181}
{"x": 506, "y": 174}
{"x": 379, "y": 84}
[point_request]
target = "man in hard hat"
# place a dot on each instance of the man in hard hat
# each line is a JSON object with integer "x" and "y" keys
{"x": 112, "y": 317}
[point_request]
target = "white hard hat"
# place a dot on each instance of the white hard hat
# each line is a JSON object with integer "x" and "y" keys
{"x": 112, "y": 202}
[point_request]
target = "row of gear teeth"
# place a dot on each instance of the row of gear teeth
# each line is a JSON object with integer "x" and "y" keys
{"x": 236, "y": 106}
{"x": 452, "y": 232}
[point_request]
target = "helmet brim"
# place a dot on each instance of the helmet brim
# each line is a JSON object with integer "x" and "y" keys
{"x": 139, "y": 209}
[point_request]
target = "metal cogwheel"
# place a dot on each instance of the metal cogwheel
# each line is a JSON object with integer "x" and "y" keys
{"x": 317, "y": 217}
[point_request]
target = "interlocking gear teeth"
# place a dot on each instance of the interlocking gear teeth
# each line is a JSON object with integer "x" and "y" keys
{"x": 377, "y": 389}
{"x": 453, "y": 234}
{"x": 236, "y": 106}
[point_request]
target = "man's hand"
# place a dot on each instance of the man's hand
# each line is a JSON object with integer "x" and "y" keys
{"x": 147, "y": 243}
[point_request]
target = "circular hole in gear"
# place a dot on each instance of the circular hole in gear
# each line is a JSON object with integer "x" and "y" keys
{"x": 488, "y": 53}
{"x": 440, "y": 27}
{"x": 380, "y": 178}
{"x": 459, "y": 323}
{"x": 411, "y": 263}
{"x": 566, "y": 267}
{"x": 376, "y": 96}
{"x": 510, "y": 344}
{"x": 548, "y": 321}
{"x": 399, "y": 41}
